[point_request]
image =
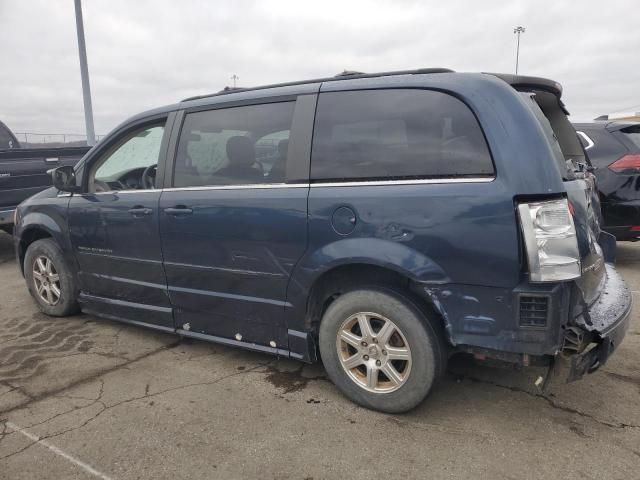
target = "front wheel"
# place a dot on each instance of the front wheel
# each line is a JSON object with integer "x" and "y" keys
{"x": 49, "y": 279}
{"x": 380, "y": 350}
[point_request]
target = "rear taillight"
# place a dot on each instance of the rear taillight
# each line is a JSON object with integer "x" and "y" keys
{"x": 626, "y": 164}
{"x": 635, "y": 228}
{"x": 550, "y": 239}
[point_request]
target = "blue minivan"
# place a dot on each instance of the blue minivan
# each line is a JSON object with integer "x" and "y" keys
{"x": 380, "y": 222}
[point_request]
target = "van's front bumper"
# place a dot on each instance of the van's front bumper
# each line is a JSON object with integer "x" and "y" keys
{"x": 604, "y": 324}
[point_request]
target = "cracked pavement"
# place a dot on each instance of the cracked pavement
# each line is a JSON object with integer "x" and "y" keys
{"x": 133, "y": 403}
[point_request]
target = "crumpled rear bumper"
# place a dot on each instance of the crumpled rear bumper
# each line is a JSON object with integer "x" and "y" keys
{"x": 605, "y": 324}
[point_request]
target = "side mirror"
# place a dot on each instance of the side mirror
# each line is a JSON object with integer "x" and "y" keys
{"x": 64, "y": 179}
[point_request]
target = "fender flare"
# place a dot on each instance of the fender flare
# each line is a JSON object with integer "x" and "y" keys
{"x": 371, "y": 251}
{"x": 43, "y": 222}
{"x": 393, "y": 256}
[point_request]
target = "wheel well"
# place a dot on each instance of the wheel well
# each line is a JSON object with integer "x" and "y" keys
{"x": 339, "y": 280}
{"x": 27, "y": 238}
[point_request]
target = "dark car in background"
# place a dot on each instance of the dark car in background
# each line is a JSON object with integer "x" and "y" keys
{"x": 379, "y": 222}
{"x": 7, "y": 139}
{"x": 24, "y": 167}
{"x": 613, "y": 148}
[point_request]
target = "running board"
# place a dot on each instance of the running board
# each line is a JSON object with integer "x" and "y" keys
{"x": 233, "y": 343}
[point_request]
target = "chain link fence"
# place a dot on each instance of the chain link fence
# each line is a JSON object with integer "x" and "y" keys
{"x": 35, "y": 140}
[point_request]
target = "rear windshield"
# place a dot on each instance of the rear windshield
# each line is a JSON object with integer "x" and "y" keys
{"x": 633, "y": 134}
{"x": 551, "y": 136}
{"x": 568, "y": 151}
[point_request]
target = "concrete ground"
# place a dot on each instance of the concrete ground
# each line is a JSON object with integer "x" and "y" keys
{"x": 84, "y": 398}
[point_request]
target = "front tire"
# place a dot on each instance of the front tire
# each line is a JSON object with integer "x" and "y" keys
{"x": 380, "y": 350}
{"x": 50, "y": 280}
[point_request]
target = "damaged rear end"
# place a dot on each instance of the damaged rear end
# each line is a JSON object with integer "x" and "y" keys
{"x": 563, "y": 243}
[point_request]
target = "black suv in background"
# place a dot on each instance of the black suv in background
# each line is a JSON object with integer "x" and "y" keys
{"x": 614, "y": 151}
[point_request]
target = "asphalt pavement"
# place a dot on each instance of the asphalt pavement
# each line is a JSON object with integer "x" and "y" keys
{"x": 83, "y": 397}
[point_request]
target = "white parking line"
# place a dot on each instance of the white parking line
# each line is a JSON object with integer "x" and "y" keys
{"x": 57, "y": 451}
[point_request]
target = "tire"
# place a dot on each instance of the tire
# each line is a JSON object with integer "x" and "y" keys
{"x": 412, "y": 336}
{"x": 45, "y": 268}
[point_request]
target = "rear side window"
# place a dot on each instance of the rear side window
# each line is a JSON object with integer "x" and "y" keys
{"x": 396, "y": 134}
{"x": 234, "y": 146}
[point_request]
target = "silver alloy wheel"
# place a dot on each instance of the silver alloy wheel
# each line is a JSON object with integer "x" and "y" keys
{"x": 46, "y": 280}
{"x": 374, "y": 352}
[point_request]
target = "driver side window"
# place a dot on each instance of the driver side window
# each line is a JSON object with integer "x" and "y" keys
{"x": 131, "y": 165}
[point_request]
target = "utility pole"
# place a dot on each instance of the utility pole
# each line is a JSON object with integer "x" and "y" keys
{"x": 518, "y": 30}
{"x": 234, "y": 77}
{"x": 84, "y": 74}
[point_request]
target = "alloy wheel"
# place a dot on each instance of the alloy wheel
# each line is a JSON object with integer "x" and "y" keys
{"x": 46, "y": 280}
{"x": 374, "y": 352}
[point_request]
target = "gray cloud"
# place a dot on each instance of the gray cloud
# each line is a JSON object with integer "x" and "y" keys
{"x": 144, "y": 54}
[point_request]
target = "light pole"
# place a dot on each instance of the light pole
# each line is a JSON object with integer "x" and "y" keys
{"x": 234, "y": 77}
{"x": 518, "y": 30}
{"x": 84, "y": 74}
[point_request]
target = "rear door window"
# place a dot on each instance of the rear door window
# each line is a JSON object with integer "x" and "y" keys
{"x": 234, "y": 146}
{"x": 396, "y": 134}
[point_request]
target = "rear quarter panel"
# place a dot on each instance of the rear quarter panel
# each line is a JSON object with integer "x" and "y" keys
{"x": 460, "y": 241}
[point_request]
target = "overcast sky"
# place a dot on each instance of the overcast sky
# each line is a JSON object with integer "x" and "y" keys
{"x": 144, "y": 54}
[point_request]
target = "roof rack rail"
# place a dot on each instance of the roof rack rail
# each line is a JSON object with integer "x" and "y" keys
{"x": 345, "y": 75}
{"x": 229, "y": 89}
{"x": 348, "y": 73}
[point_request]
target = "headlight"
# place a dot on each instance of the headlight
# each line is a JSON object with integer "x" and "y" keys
{"x": 550, "y": 241}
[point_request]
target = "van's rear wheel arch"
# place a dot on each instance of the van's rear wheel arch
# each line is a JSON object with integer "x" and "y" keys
{"x": 340, "y": 280}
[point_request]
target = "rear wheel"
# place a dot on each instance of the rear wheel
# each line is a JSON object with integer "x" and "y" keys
{"x": 380, "y": 350}
{"x": 49, "y": 279}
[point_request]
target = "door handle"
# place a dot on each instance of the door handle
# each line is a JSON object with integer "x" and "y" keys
{"x": 178, "y": 211}
{"x": 140, "y": 211}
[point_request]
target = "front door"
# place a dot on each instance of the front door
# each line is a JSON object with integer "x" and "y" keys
{"x": 114, "y": 230}
{"x": 232, "y": 228}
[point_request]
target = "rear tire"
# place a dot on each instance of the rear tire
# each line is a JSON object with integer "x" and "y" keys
{"x": 50, "y": 280}
{"x": 380, "y": 350}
